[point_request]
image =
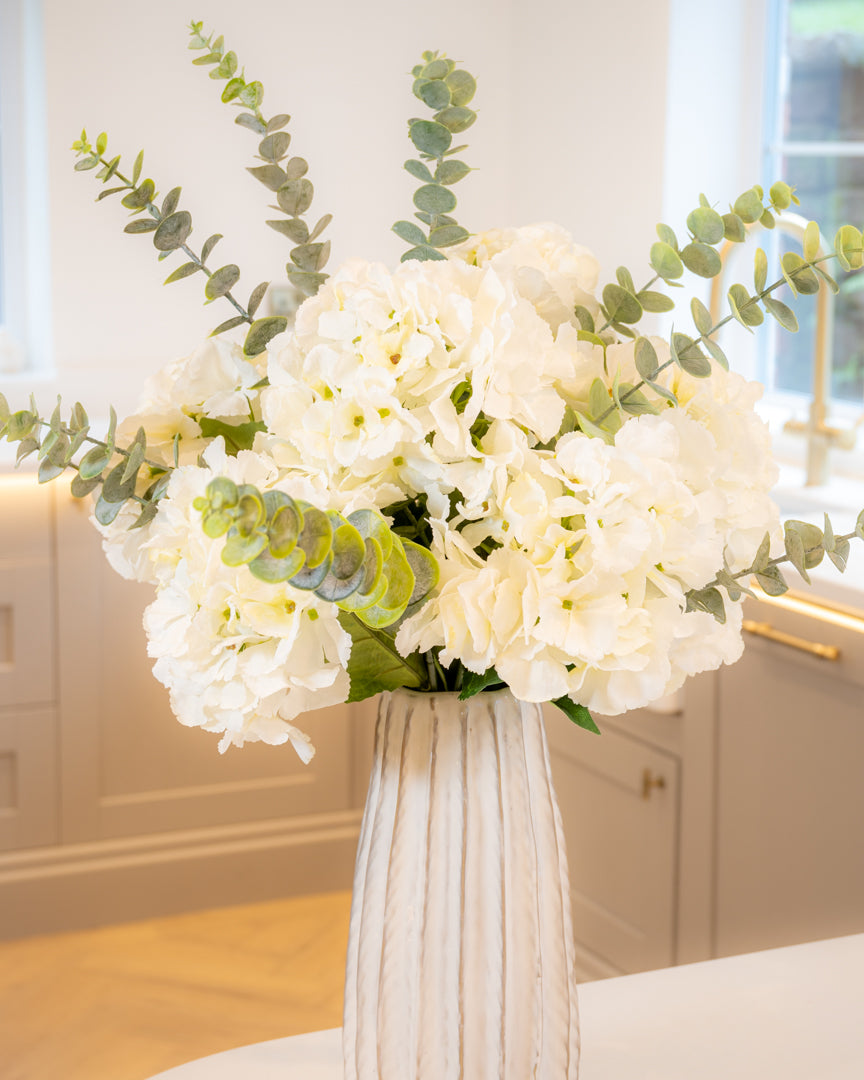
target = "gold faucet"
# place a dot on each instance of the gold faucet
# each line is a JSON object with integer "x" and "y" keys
{"x": 821, "y": 435}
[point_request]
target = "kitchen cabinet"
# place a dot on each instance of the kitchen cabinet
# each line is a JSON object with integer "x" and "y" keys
{"x": 110, "y": 809}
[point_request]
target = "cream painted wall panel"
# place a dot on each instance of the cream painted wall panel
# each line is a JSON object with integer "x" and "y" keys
{"x": 28, "y": 778}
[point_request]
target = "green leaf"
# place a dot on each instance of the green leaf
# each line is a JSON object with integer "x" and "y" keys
{"x": 645, "y": 356}
{"x": 140, "y": 197}
{"x": 717, "y": 353}
{"x": 839, "y": 555}
{"x": 254, "y": 301}
{"x": 686, "y": 354}
{"x": 434, "y": 199}
{"x": 848, "y": 245}
{"x": 375, "y": 663}
{"x": 743, "y": 307}
{"x": 734, "y": 228}
{"x": 173, "y": 231}
{"x": 136, "y": 168}
{"x": 81, "y": 488}
{"x": 295, "y": 196}
{"x": 169, "y": 203}
{"x": 798, "y": 274}
{"x": 781, "y": 195}
{"x": 419, "y": 170}
{"x": 450, "y": 171}
{"x": 229, "y": 324}
{"x": 667, "y": 236}
{"x": 748, "y": 206}
{"x": 456, "y": 118}
{"x": 250, "y": 121}
{"x": 584, "y": 318}
{"x": 222, "y": 281}
{"x": 812, "y": 241}
{"x": 271, "y": 176}
{"x": 142, "y": 225}
{"x": 432, "y": 92}
{"x": 760, "y": 270}
{"x": 625, "y": 279}
{"x": 447, "y": 236}
{"x": 181, "y": 272}
{"x": 701, "y": 316}
{"x": 115, "y": 488}
{"x": 274, "y": 147}
{"x": 409, "y": 232}
{"x": 462, "y": 86}
{"x": 577, "y": 713}
{"x": 783, "y": 314}
{"x": 701, "y": 259}
{"x": 209, "y": 244}
{"x": 295, "y": 229}
{"x": 474, "y": 683}
{"x": 307, "y": 282}
{"x": 422, "y": 253}
{"x": 655, "y": 301}
{"x": 296, "y": 167}
{"x": 666, "y": 261}
{"x": 709, "y": 600}
{"x": 621, "y": 305}
{"x": 261, "y": 332}
{"x": 430, "y": 137}
{"x": 706, "y": 225}
{"x": 311, "y": 257}
{"x": 94, "y": 462}
{"x": 237, "y": 436}
{"x": 280, "y": 120}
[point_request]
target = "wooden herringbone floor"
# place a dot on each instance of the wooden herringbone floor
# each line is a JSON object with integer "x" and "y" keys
{"x": 125, "y": 1002}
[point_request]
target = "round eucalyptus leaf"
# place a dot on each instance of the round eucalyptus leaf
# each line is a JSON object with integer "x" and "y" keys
{"x": 173, "y": 231}
{"x": 216, "y": 523}
{"x": 655, "y": 301}
{"x": 734, "y": 228}
{"x": 667, "y": 235}
{"x": 349, "y": 551}
{"x": 748, "y": 207}
{"x": 271, "y": 176}
{"x": 311, "y": 257}
{"x": 424, "y": 567}
{"x": 142, "y": 225}
{"x": 283, "y": 530}
{"x": 622, "y": 306}
{"x": 666, "y": 261}
{"x": 139, "y": 198}
{"x": 456, "y": 118}
{"x": 221, "y": 281}
{"x": 274, "y": 147}
{"x": 701, "y": 259}
{"x": 418, "y": 170}
{"x": 93, "y": 464}
{"x": 316, "y": 536}
{"x": 267, "y": 567}
{"x": 250, "y": 511}
{"x": 448, "y": 172}
{"x": 369, "y": 523}
{"x": 447, "y": 236}
{"x": 422, "y": 253}
{"x": 115, "y": 488}
{"x": 81, "y": 487}
{"x": 437, "y": 69}
{"x": 645, "y": 356}
{"x": 706, "y": 225}
{"x": 295, "y": 197}
{"x": 430, "y": 137}
{"x": 295, "y": 229}
{"x": 462, "y": 86}
{"x": 169, "y": 203}
{"x": 433, "y": 92}
{"x": 781, "y": 195}
{"x": 434, "y": 199}
{"x": 310, "y": 578}
{"x": 296, "y": 167}
{"x": 240, "y": 549}
{"x": 409, "y": 232}
{"x": 782, "y": 313}
{"x": 222, "y": 492}
{"x": 105, "y": 511}
{"x": 335, "y": 588}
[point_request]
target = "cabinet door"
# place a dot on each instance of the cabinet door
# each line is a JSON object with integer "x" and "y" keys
{"x": 790, "y": 814}
{"x": 128, "y": 767}
{"x": 622, "y": 846}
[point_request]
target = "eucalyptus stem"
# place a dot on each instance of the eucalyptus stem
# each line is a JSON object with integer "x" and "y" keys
{"x": 71, "y": 433}
{"x": 154, "y": 212}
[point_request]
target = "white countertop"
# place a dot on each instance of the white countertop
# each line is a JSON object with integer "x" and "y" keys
{"x": 783, "y": 1014}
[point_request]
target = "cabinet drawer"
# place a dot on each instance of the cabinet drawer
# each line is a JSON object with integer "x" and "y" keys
{"x": 28, "y": 778}
{"x": 26, "y": 634}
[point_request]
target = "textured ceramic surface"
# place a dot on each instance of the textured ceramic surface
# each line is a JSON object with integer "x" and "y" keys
{"x": 460, "y": 951}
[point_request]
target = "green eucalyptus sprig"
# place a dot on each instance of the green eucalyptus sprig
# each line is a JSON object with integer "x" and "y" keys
{"x": 284, "y": 175}
{"x": 624, "y": 306}
{"x": 170, "y": 228}
{"x": 447, "y": 90}
{"x": 97, "y": 468}
{"x": 805, "y": 547}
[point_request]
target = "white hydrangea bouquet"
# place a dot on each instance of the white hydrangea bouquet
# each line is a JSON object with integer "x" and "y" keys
{"x": 468, "y": 472}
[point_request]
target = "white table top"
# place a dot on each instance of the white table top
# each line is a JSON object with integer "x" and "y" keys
{"x": 793, "y": 1013}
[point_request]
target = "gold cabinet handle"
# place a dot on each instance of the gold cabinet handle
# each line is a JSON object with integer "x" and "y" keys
{"x": 650, "y": 781}
{"x": 814, "y": 648}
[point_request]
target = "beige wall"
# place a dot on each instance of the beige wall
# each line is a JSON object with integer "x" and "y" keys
{"x": 556, "y": 79}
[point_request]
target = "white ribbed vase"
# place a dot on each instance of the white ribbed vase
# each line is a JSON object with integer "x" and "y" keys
{"x": 460, "y": 953}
